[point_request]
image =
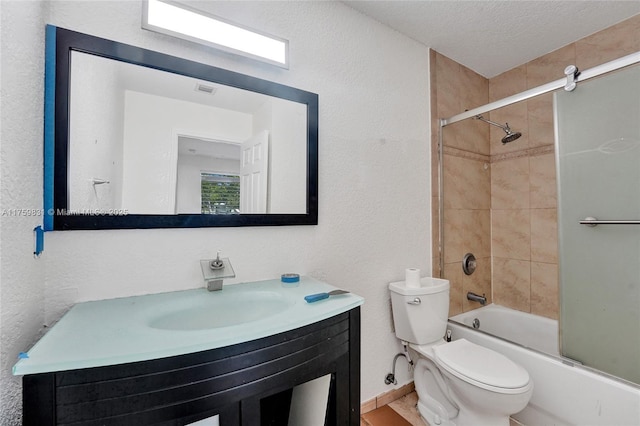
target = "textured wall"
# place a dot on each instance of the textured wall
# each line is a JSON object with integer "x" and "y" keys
{"x": 21, "y": 276}
{"x": 374, "y": 176}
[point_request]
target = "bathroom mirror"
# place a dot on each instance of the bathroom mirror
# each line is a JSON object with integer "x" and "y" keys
{"x": 140, "y": 139}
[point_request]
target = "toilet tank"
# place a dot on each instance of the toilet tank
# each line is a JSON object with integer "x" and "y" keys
{"x": 420, "y": 313}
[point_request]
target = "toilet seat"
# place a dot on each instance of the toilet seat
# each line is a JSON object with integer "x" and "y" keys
{"x": 482, "y": 367}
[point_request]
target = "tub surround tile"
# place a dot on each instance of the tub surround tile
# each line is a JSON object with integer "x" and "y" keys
{"x": 447, "y": 86}
{"x": 467, "y": 135}
{"x": 475, "y": 89}
{"x": 504, "y": 85}
{"x": 450, "y": 135}
{"x": 510, "y": 184}
{"x": 454, "y": 239}
{"x": 542, "y": 178}
{"x": 467, "y": 184}
{"x": 477, "y": 232}
{"x": 466, "y": 231}
{"x": 508, "y": 83}
{"x": 453, "y": 273}
{"x": 544, "y": 235}
{"x": 540, "y": 71}
{"x": 540, "y": 121}
{"x": 550, "y": 67}
{"x": 544, "y": 289}
{"x": 472, "y": 135}
{"x": 512, "y": 283}
{"x": 511, "y": 234}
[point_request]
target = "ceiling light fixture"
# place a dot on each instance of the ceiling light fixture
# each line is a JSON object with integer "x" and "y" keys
{"x": 180, "y": 21}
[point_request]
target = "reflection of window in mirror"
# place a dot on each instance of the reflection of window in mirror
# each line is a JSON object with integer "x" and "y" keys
{"x": 220, "y": 194}
{"x": 199, "y": 157}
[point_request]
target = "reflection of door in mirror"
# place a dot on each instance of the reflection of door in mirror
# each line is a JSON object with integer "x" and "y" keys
{"x": 254, "y": 172}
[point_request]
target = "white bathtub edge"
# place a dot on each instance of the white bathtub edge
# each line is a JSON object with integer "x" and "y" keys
{"x": 564, "y": 395}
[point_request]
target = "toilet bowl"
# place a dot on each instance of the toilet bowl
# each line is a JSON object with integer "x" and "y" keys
{"x": 458, "y": 383}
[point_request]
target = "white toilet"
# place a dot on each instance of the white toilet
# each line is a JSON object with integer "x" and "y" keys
{"x": 458, "y": 383}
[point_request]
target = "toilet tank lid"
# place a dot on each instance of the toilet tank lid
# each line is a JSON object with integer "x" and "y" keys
{"x": 480, "y": 364}
{"x": 428, "y": 285}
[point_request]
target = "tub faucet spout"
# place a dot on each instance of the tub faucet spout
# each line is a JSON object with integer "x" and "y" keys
{"x": 477, "y": 298}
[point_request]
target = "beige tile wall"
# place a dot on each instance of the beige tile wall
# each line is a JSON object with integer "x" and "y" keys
{"x": 500, "y": 200}
{"x": 467, "y": 179}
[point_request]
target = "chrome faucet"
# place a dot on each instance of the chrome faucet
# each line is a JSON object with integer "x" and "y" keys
{"x": 477, "y": 298}
{"x": 215, "y": 270}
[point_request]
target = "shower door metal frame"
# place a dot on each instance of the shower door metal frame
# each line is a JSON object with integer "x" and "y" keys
{"x": 596, "y": 71}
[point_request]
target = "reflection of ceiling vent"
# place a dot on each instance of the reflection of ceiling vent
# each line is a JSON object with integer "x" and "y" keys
{"x": 203, "y": 88}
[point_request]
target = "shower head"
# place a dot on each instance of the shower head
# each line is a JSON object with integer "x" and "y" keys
{"x": 510, "y": 135}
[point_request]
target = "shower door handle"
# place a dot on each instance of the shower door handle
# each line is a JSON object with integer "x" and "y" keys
{"x": 592, "y": 221}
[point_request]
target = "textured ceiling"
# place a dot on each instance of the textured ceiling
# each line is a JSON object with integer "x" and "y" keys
{"x": 490, "y": 36}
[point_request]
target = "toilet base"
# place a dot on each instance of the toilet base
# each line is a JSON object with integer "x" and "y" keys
{"x": 468, "y": 418}
{"x": 433, "y": 405}
{"x": 464, "y": 418}
{"x": 431, "y": 418}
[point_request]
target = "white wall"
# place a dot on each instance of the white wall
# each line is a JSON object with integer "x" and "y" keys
{"x": 287, "y": 194}
{"x": 22, "y": 278}
{"x": 96, "y": 133}
{"x": 374, "y": 199}
{"x": 286, "y": 123}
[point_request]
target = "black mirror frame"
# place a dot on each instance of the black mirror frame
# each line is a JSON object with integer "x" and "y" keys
{"x": 59, "y": 45}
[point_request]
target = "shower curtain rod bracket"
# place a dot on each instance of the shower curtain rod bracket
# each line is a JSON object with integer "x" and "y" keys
{"x": 572, "y": 74}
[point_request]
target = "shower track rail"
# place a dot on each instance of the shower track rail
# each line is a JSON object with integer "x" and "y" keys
{"x": 596, "y": 71}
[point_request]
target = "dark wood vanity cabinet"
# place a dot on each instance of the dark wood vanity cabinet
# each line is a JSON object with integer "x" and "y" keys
{"x": 247, "y": 384}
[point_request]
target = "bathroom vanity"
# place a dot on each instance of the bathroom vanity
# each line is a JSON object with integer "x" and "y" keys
{"x": 177, "y": 358}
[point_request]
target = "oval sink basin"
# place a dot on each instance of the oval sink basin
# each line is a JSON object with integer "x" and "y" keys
{"x": 218, "y": 310}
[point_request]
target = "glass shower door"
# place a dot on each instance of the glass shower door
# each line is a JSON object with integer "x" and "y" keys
{"x": 598, "y": 150}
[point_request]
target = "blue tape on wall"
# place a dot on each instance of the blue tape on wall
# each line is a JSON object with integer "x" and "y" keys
{"x": 49, "y": 124}
{"x": 39, "y": 240}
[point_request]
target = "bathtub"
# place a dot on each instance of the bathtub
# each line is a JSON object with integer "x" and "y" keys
{"x": 563, "y": 393}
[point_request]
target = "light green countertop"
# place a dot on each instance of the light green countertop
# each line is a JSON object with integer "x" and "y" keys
{"x": 141, "y": 328}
